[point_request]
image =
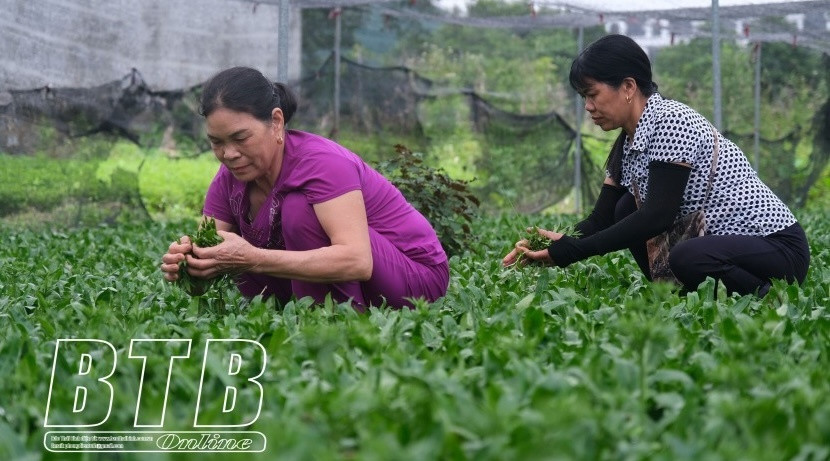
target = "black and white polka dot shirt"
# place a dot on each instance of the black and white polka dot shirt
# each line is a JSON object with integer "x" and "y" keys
{"x": 739, "y": 203}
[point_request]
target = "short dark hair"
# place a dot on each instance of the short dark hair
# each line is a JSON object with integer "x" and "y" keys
{"x": 610, "y": 60}
{"x": 243, "y": 89}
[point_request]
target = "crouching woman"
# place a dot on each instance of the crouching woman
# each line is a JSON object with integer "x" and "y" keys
{"x": 301, "y": 215}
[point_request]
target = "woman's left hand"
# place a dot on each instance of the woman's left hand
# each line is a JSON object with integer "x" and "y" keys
{"x": 233, "y": 255}
{"x": 521, "y": 247}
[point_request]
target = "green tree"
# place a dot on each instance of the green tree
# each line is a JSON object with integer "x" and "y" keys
{"x": 793, "y": 88}
{"x": 318, "y": 34}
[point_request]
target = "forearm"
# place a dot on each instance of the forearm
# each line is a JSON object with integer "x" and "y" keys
{"x": 330, "y": 264}
{"x": 667, "y": 183}
{"x": 638, "y": 226}
{"x": 602, "y": 216}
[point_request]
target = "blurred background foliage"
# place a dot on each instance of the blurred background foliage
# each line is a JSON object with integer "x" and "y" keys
{"x": 488, "y": 106}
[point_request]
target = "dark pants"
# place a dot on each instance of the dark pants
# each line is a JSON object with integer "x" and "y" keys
{"x": 744, "y": 263}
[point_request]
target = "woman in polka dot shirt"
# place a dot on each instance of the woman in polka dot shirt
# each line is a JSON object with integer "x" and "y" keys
{"x": 665, "y": 149}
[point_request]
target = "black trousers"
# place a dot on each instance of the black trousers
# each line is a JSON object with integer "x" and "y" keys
{"x": 744, "y": 263}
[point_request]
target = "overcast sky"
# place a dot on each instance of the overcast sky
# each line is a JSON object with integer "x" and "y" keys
{"x": 630, "y": 5}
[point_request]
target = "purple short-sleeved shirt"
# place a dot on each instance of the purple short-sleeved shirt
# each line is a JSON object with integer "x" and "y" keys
{"x": 322, "y": 170}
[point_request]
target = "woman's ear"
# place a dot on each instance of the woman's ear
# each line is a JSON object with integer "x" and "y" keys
{"x": 277, "y": 118}
{"x": 630, "y": 87}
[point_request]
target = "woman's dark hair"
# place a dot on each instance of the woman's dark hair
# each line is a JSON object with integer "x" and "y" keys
{"x": 610, "y": 60}
{"x": 243, "y": 89}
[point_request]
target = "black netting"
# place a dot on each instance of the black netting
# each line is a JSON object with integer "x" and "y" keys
{"x": 519, "y": 159}
{"x": 530, "y": 158}
{"x": 527, "y": 159}
{"x": 372, "y": 99}
{"x": 125, "y": 108}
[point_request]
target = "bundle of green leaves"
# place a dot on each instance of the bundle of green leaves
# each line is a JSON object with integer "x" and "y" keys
{"x": 535, "y": 241}
{"x": 205, "y": 237}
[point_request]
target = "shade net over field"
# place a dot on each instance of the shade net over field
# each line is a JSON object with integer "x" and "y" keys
{"x": 376, "y": 102}
{"x": 521, "y": 157}
{"x": 127, "y": 108}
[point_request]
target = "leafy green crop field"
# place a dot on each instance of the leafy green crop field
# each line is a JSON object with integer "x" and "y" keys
{"x": 590, "y": 362}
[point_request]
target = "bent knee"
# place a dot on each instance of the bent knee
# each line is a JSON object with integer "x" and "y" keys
{"x": 682, "y": 257}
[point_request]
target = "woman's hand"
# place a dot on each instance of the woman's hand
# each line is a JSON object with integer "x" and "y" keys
{"x": 233, "y": 255}
{"x": 522, "y": 247}
{"x": 176, "y": 253}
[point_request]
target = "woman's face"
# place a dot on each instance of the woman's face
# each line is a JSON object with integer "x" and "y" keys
{"x": 607, "y": 105}
{"x": 243, "y": 143}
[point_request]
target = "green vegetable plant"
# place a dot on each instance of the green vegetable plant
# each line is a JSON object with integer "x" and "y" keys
{"x": 592, "y": 359}
{"x": 205, "y": 237}
{"x": 447, "y": 203}
{"x": 537, "y": 241}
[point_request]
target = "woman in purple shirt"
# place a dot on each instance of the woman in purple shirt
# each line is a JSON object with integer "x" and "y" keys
{"x": 299, "y": 213}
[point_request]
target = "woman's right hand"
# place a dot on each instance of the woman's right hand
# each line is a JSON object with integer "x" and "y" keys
{"x": 522, "y": 248}
{"x": 175, "y": 254}
{"x": 519, "y": 248}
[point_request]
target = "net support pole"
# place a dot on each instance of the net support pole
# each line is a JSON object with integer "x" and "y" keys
{"x": 578, "y": 141}
{"x": 716, "y": 75}
{"x": 337, "y": 32}
{"x": 282, "y": 44}
{"x": 757, "y": 146}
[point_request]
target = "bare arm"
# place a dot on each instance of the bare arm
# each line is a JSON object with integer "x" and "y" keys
{"x": 348, "y": 258}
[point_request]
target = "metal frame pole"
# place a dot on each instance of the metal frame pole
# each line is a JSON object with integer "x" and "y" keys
{"x": 757, "y": 106}
{"x": 337, "y": 32}
{"x": 716, "y": 74}
{"x": 578, "y": 127}
{"x": 282, "y": 44}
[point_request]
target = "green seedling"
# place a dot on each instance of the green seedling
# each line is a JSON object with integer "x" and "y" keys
{"x": 536, "y": 242}
{"x": 206, "y": 236}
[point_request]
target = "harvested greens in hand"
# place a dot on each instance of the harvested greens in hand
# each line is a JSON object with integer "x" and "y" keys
{"x": 206, "y": 236}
